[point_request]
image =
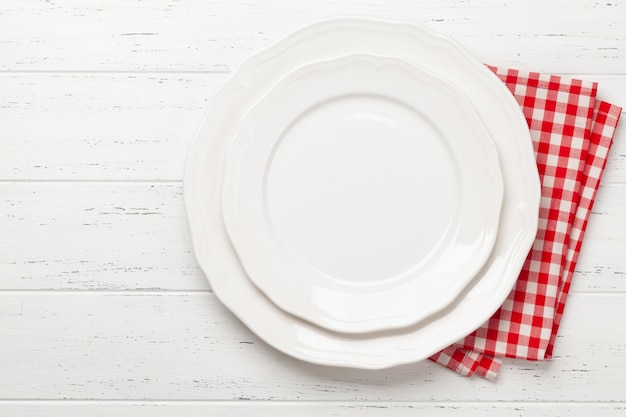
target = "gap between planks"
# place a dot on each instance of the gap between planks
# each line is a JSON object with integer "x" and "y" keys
{"x": 296, "y": 403}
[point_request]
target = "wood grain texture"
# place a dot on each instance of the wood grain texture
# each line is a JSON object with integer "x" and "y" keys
{"x": 196, "y": 35}
{"x": 302, "y": 409}
{"x": 95, "y": 236}
{"x": 135, "y": 126}
{"x": 187, "y": 346}
{"x": 99, "y": 126}
{"x": 134, "y": 236}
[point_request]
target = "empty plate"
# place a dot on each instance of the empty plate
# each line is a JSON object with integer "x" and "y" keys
{"x": 362, "y": 193}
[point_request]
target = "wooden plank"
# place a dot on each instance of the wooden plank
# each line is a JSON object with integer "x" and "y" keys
{"x": 187, "y": 346}
{"x": 134, "y": 126}
{"x": 133, "y": 236}
{"x": 214, "y": 36}
{"x": 96, "y": 236}
{"x": 301, "y": 409}
{"x": 99, "y": 126}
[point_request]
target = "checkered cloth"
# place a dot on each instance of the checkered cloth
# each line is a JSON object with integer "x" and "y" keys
{"x": 572, "y": 133}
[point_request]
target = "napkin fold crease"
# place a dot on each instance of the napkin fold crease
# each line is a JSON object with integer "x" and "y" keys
{"x": 572, "y": 133}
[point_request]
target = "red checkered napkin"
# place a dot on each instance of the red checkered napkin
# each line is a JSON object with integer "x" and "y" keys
{"x": 572, "y": 133}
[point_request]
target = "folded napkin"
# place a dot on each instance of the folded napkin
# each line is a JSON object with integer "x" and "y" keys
{"x": 572, "y": 133}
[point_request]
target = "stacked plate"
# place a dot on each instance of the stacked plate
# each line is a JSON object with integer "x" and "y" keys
{"x": 362, "y": 193}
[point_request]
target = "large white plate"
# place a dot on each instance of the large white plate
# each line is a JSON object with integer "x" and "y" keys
{"x": 335, "y": 38}
{"x": 362, "y": 194}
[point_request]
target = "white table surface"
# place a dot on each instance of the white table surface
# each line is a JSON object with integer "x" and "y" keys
{"x": 103, "y": 310}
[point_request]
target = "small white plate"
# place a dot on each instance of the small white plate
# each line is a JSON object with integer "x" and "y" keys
{"x": 335, "y": 38}
{"x": 362, "y": 194}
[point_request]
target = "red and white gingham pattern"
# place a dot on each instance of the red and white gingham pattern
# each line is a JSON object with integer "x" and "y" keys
{"x": 605, "y": 123}
{"x": 572, "y": 134}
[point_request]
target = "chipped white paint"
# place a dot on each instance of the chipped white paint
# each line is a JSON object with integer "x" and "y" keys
{"x": 103, "y": 310}
{"x": 196, "y": 35}
{"x": 187, "y": 346}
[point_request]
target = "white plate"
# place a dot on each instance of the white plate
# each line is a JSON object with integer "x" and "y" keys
{"x": 362, "y": 194}
{"x": 330, "y": 39}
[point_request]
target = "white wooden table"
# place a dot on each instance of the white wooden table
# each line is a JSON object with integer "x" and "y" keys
{"x": 103, "y": 310}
